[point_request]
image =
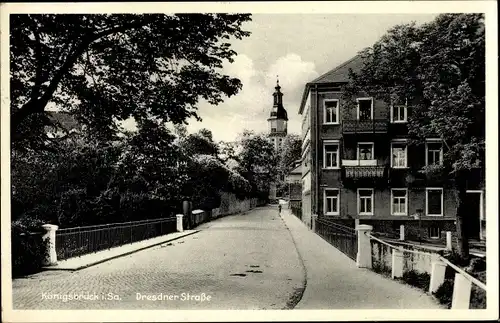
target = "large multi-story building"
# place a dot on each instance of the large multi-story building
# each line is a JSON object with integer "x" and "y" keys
{"x": 357, "y": 164}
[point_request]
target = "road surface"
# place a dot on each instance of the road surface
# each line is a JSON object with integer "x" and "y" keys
{"x": 257, "y": 260}
{"x": 237, "y": 262}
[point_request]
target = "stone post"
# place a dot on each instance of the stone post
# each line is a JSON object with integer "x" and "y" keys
{"x": 438, "y": 269}
{"x": 187, "y": 208}
{"x": 49, "y": 238}
{"x": 402, "y": 232}
{"x": 179, "y": 222}
{"x": 397, "y": 263}
{"x": 449, "y": 245}
{"x": 314, "y": 217}
{"x": 461, "y": 293}
{"x": 364, "y": 256}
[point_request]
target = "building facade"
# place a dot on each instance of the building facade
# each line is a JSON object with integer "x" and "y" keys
{"x": 293, "y": 181}
{"x": 278, "y": 129}
{"x": 357, "y": 164}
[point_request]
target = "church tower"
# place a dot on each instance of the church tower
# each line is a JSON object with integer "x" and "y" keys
{"x": 278, "y": 119}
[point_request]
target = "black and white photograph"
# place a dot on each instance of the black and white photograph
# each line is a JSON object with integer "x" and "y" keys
{"x": 260, "y": 158}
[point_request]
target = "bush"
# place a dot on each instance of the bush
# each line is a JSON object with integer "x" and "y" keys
{"x": 477, "y": 298}
{"x": 28, "y": 249}
{"x": 380, "y": 268}
{"x": 445, "y": 292}
{"x": 420, "y": 280}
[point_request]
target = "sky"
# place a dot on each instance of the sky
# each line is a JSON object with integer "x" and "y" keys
{"x": 298, "y": 48}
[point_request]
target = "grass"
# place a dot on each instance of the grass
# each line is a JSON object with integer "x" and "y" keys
{"x": 444, "y": 294}
{"x": 381, "y": 268}
{"x": 416, "y": 279}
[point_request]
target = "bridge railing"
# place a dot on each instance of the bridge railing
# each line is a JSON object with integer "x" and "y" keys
{"x": 340, "y": 236}
{"x": 78, "y": 241}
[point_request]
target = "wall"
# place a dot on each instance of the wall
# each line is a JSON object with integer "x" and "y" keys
{"x": 391, "y": 228}
{"x": 382, "y": 258}
{"x": 230, "y": 204}
{"x": 306, "y": 209}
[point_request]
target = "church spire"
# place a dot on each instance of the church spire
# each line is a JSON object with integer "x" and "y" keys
{"x": 278, "y": 111}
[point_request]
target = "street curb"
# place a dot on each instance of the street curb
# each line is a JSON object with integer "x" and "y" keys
{"x": 299, "y": 293}
{"x": 116, "y": 256}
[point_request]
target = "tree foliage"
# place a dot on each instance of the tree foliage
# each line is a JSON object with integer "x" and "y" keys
{"x": 438, "y": 69}
{"x": 257, "y": 161}
{"x": 105, "y": 68}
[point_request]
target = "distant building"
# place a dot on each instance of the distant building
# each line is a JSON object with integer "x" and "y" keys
{"x": 295, "y": 174}
{"x": 294, "y": 183}
{"x": 357, "y": 164}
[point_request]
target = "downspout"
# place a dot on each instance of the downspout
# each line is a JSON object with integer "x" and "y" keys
{"x": 318, "y": 150}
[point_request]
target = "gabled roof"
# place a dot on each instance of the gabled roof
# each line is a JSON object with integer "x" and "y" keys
{"x": 339, "y": 74}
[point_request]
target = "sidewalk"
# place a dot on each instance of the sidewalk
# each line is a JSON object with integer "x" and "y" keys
{"x": 77, "y": 263}
{"x": 334, "y": 281}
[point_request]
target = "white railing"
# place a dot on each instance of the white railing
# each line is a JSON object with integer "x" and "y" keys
{"x": 359, "y": 162}
{"x": 463, "y": 281}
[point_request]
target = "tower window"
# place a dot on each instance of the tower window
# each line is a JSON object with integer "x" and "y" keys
{"x": 273, "y": 129}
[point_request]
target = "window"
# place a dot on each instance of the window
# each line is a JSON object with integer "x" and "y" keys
{"x": 433, "y": 153}
{"x": 331, "y": 111}
{"x": 273, "y": 129}
{"x": 365, "y": 151}
{"x": 331, "y": 154}
{"x": 399, "y": 113}
{"x": 434, "y": 201}
{"x": 399, "y": 201}
{"x": 434, "y": 232}
{"x": 398, "y": 151}
{"x": 365, "y": 109}
{"x": 365, "y": 201}
{"x": 332, "y": 201}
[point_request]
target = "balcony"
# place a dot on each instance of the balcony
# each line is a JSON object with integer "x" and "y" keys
{"x": 365, "y": 126}
{"x": 358, "y": 169}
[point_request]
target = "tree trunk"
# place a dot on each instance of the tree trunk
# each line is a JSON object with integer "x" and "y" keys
{"x": 462, "y": 238}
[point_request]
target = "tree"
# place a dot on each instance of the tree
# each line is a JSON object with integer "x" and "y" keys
{"x": 105, "y": 68}
{"x": 439, "y": 69}
{"x": 200, "y": 142}
{"x": 292, "y": 151}
{"x": 257, "y": 161}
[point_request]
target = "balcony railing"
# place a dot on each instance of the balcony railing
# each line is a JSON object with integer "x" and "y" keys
{"x": 363, "y": 169}
{"x": 365, "y": 126}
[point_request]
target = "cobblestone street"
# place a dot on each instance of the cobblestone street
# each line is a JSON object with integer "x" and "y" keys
{"x": 236, "y": 262}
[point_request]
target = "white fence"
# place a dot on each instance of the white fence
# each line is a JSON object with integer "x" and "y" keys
{"x": 374, "y": 251}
